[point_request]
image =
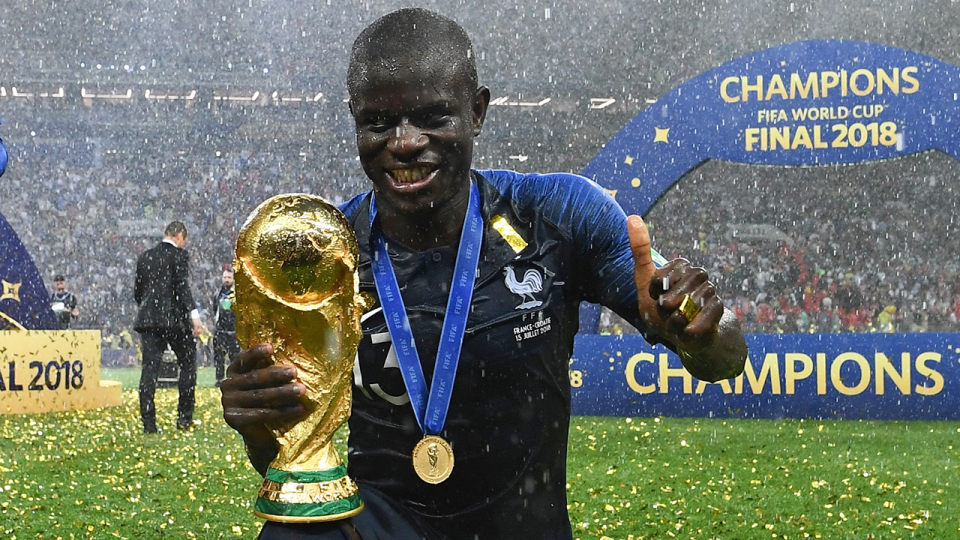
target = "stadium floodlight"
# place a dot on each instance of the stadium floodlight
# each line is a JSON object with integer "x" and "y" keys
{"x": 58, "y": 94}
{"x": 504, "y": 101}
{"x": 148, "y": 94}
{"x": 20, "y": 93}
{"x": 284, "y": 99}
{"x": 601, "y": 103}
{"x": 90, "y": 95}
{"x": 242, "y": 99}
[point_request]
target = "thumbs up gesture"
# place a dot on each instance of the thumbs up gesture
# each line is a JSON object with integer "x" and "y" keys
{"x": 678, "y": 302}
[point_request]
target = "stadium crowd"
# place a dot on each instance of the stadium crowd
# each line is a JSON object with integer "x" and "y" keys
{"x": 866, "y": 249}
{"x": 839, "y": 258}
{"x": 828, "y": 249}
{"x": 96, "y": 220}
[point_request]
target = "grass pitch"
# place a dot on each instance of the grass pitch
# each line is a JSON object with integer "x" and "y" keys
{"x": 94, "y": 475}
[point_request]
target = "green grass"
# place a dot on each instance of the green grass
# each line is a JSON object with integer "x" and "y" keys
{"x": 130, "y": 377}
{"x": 689, "y": 478}
{"x": 94, "y": 475}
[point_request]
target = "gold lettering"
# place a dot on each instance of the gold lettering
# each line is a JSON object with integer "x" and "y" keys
{"x": 828, "y": 80}
{"x": 802, "y": 138}
{"x": 776, "y": 87}
{"x": 631, "y": 373}
{"x": 818, "y": 141}
{"x": 884, "y": 78}
{"x": 723, "y": 90}
{"x": 770, "y": 368}
{"x": 798, "y": 87}
{"x": 885, "y": 366}
{"x": 864, "y": 374}
{"x": 858, "y": 74}
{"x": 666, "y": 372}
{"x": 907, "y": 75}
{"x": 746, "y": 87}
{"x": 779, "y": 137}
{"x": 791, "y": 376}
{"x": 821, "y": 374}
{"x": 751, "y": 137}
{"x": 923, "y": 370}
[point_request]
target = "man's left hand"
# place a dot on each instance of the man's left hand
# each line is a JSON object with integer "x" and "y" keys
{"x": 661, "y": 291}
{"x": 197, "y": 327}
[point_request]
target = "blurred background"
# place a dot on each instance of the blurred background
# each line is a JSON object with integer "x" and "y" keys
{"x": 121, "y": 116}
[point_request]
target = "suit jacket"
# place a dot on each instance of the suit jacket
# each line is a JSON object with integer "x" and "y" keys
{"x": 161, "y": 288}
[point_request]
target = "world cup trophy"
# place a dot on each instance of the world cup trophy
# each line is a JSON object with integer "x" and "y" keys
{"x": 297, "y": 288}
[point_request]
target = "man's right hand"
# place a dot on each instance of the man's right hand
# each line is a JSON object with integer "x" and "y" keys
{"x": 256, "y": 394}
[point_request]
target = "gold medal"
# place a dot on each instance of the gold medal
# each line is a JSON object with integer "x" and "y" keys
{"x": 433, "y": 459}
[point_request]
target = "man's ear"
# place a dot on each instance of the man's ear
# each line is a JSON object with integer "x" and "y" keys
{"x": 481, "y": 100}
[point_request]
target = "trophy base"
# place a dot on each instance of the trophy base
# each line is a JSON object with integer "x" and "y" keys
{"x": 307, "y": 496}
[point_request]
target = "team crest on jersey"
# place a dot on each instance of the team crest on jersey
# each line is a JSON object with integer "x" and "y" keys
{"x": 525, "y": 287}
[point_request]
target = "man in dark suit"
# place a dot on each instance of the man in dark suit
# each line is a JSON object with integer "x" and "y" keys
{"x": 166, "y": 314}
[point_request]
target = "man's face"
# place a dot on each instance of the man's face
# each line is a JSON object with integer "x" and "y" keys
{"x": 415, "y": 130}
{"x": 60, "y": 286}
{"x": 227, "y": 278}
{"x": 180, "y": 240}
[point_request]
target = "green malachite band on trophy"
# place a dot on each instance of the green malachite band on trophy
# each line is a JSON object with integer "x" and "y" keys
{"x": 311, "y": 477}
{"x": 331, "y": 508}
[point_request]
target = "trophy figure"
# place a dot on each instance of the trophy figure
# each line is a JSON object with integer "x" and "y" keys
{"x": 297, "y": 288}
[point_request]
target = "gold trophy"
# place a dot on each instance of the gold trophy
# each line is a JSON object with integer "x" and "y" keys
{"x": 297, "y": 288}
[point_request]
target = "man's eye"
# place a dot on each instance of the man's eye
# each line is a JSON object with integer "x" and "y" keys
{"x": 436, "y": 120}
{"x": 378, "y": 122}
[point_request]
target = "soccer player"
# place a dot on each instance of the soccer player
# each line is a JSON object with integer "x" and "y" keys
{"x": 522, "y": 251}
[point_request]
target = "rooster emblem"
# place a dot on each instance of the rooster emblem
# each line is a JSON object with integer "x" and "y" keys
{"x": 532, "y": 283}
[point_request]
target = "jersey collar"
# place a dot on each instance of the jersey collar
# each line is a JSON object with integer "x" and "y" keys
{"x": 496, "y": 251}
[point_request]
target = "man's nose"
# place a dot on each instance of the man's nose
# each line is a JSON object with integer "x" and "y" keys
{"x": 407, "y": 139}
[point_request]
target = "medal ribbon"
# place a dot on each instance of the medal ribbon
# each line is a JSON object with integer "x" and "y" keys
{"x": 430, "y": 411}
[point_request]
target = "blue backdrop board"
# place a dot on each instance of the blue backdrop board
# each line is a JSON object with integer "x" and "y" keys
{"x": 848, "y": 376}
{"x": 804, "y": 103}
{"x": 801, "y": 104}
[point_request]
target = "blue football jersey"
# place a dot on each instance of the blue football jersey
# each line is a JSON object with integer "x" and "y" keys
{"x": 550, "y": 242}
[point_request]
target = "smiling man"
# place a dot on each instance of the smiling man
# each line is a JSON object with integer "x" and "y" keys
{"x": 461, "y": 394}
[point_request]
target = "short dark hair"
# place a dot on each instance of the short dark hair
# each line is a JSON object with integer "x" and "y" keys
{"x": 175, "y": 228}
{"x": 435, "y": 40}
{"x": 59, "y": 277}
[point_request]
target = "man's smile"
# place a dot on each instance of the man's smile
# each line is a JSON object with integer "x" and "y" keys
{"x": 410, "y": 178}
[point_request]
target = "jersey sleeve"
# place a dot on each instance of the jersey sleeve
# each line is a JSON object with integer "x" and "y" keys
{"x": 597, "y": 227}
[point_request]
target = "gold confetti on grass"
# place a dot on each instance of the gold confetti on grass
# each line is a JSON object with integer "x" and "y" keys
{"x": 93, "y": 474}
{"x": 634, "y": 478}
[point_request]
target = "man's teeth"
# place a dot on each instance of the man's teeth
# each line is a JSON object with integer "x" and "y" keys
{"x": 415, "y": 174}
